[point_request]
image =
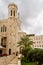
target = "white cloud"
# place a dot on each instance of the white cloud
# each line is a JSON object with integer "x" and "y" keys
{"x": 31, "y": 14}
{"x": 34, "y": 25}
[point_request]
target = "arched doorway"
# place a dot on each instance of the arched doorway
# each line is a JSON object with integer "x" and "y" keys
{"x": 3, "y": 41}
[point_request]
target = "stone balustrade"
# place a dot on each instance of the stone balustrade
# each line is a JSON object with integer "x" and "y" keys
{"x": 6, "y": 59}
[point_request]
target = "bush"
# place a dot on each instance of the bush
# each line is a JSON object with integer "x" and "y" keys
{"x": 23, "y": 59}
{"x": 35, "y": 55}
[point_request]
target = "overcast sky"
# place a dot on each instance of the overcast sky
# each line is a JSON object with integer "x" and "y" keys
{"x": 31, "y": 12}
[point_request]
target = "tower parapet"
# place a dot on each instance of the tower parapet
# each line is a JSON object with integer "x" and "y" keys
{"x": 12, "y": 10}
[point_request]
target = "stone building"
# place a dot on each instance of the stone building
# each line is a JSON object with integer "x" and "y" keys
{"x": 38, "y": 40}
{"x": 10, "y": 31}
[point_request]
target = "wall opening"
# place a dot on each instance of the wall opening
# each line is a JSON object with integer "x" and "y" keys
{"x": 11, "y": 12}
{"x": 0, "y": 52}
{"x": 9, "y": 51}
{"x": 14, "y": 13}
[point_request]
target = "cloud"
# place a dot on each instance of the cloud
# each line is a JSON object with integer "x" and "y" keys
{"x": 31, "y": 14}
{"x": 34, "y": 25}
{"x": 4, "y": 7}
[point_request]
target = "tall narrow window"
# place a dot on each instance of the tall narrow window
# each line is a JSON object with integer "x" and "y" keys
{"x": 11, "y": 12}
{"x": 5, "y": 29}
{"x": 14, "y": 13}
{"x": 1, "y": 29}
{"x": 9, "y": 51}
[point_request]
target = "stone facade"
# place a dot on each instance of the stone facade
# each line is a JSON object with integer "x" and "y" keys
{"x": 6, "y": 59}
{"x": 10, "y": 31}
{"x": 38, "y": 40}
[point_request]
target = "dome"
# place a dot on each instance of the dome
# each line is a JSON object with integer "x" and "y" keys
{"x": 12, "y": 4}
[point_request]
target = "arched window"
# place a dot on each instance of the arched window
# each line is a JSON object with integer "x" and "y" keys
{"x": 14, "y": 13}
{"x": 11, "y": 12}
{"x": 3, "y": 28}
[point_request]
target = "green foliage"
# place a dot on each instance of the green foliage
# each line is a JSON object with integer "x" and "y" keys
{"x": 25, "y": 42}
{"x": 25, "y": 47}
{"x": 30, "y": 63}
{"x": 29, "y": 54}
{"x": 36, "y": 56}
{"x": 26, "y": 52}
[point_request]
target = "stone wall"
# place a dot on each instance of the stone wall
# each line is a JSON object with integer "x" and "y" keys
{"x": 5, "y": 60}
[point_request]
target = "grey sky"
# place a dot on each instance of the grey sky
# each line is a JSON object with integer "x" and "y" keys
{"x": 31, "y": 12}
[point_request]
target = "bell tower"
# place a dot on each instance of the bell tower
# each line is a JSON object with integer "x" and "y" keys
{"x": 12, "y": 10}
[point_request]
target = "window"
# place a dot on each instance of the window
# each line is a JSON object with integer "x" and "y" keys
{"x": 9, "y": 51}
{"x": 14, "y": 13}
{"x": 42, "y": 45}
{"x": 3, "y": 28}
{"x": 35, "y": 45}
{"x": 37, "y": 41}
{"x": 0, "y": 52}
{"x": 11, "y": 12}
{"x": 3, "y": 41}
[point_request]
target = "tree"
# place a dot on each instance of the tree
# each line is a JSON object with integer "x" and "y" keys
{"x": 26, "y": 51}
{"x": 25, "y": 42}
{"x": 36, "y": 56}
{"x": 25, "y": 45}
